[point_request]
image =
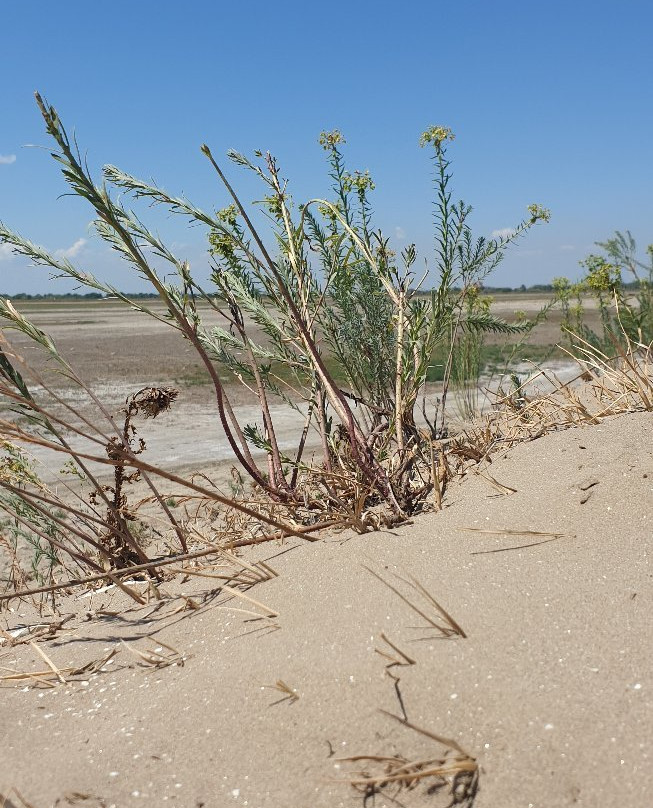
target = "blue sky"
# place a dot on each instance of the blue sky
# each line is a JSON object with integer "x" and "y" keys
{"x": 550, "y": 103}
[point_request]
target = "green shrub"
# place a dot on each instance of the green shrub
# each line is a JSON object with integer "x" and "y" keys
{"x": 625, "y": 306}
{"x": 346, "y": 331}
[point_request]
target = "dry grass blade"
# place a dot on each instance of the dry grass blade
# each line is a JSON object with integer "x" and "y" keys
{"x": 416, "y": 771}
{"x": 453, "y": 624}
{"x": 49, "y": 662}
{"x": 447, "y": 742}
{"x": 517, "y": 547}
{"x": 259, "y": 571}
{"x": 548, "y": 537}
{"x": 22, "y": 634}
{"x": 42, "y": 677}
{"x": 191, "y": 572}
{"x": 154, "y": 658}
{"x": 79, "y": 798}
{"x": 61, "y": 675}
{"x": 127, "y": 589}
{"x": 451, "y": 629}
{"x": 454, "y": 766}
{"x": 290, "y": 694}
{"x": 94, "y": 665}
{"x": 25, "y": 634}
{"x": 5, "y": 636}
{"x": 245, "y": 574}
{"x": 625, "y": 379}
{"x": 438, "y": 474}
{"x": 229, "y": 589}
{"x": 509, "y": 532}
{"x": 402, "y": 659}
{"x": 142, "y": 567}
{"x": 188, "y": 604}
{"x": 267, "y": 611}
{"x": 7, "y": 802}
{"x": 506, "y": 490}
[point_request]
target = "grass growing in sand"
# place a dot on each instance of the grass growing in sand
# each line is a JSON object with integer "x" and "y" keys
{"x": 346, "y": 334}
{"x": 332, "y": 322}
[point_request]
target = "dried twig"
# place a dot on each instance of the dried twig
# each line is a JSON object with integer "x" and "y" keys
{"x": 454, "y": 766}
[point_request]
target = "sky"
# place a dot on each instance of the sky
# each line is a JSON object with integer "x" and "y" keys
{"x": 550, "y": 103}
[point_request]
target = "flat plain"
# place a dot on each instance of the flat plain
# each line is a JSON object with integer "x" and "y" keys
{"x": 117, "y": 351}
{"x": 335, "y": 678}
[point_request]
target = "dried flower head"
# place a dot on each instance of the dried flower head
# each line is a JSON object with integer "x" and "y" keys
{"x": 152, "y": 401}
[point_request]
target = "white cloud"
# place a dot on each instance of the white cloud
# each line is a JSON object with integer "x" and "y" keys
{"x": 527, "y": 253}
{"x": 5, "y": 252}
{"x": 400, "y": 233}
{"x": 7, "y": 159}
{"x": 73, "y": 250}
{"x": 505, "y": 232}
{"x": 567, "y": 247}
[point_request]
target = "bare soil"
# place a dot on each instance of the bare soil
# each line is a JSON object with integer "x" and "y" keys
{"x": 117, "y": 351}
{"x": 110, "y": 345}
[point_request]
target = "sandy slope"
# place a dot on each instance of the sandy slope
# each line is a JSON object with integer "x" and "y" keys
{"x": 551, "y": 690}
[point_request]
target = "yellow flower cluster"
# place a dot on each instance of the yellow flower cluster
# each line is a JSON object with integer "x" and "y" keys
{"x": 228, "y": 215}
{"x": 538, "y": 213}
{"x": 359, "y": 181}
{"x": 601, "y": 275}
{"x": 221, "y": 244}
{"x": 14, "y": 468}
{"x": 329, "y": 140}
{"x": 436, "y": 135}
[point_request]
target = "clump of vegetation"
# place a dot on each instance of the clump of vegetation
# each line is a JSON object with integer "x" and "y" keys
{"x": 622, "y": 287}
{"x": 348, "y": 340}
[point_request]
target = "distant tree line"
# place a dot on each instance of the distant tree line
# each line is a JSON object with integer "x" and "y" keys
{"x": 76, "y": 296}
{"x": 547, "y": 288}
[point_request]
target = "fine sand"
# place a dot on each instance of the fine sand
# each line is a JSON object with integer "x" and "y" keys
{"x": 550, "y": 691}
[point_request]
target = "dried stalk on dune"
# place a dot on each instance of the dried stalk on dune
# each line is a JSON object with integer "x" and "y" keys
{"x": 453, "y": 770}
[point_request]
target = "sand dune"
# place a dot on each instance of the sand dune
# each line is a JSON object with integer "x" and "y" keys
{"x": 550, "y": 691}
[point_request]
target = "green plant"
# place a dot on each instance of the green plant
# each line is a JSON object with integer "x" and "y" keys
{"x": 625, "y": 307}
{"x": 353, "y": 340}
{"x": 25, "y": 523}
{"x": 467, "y": 360}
